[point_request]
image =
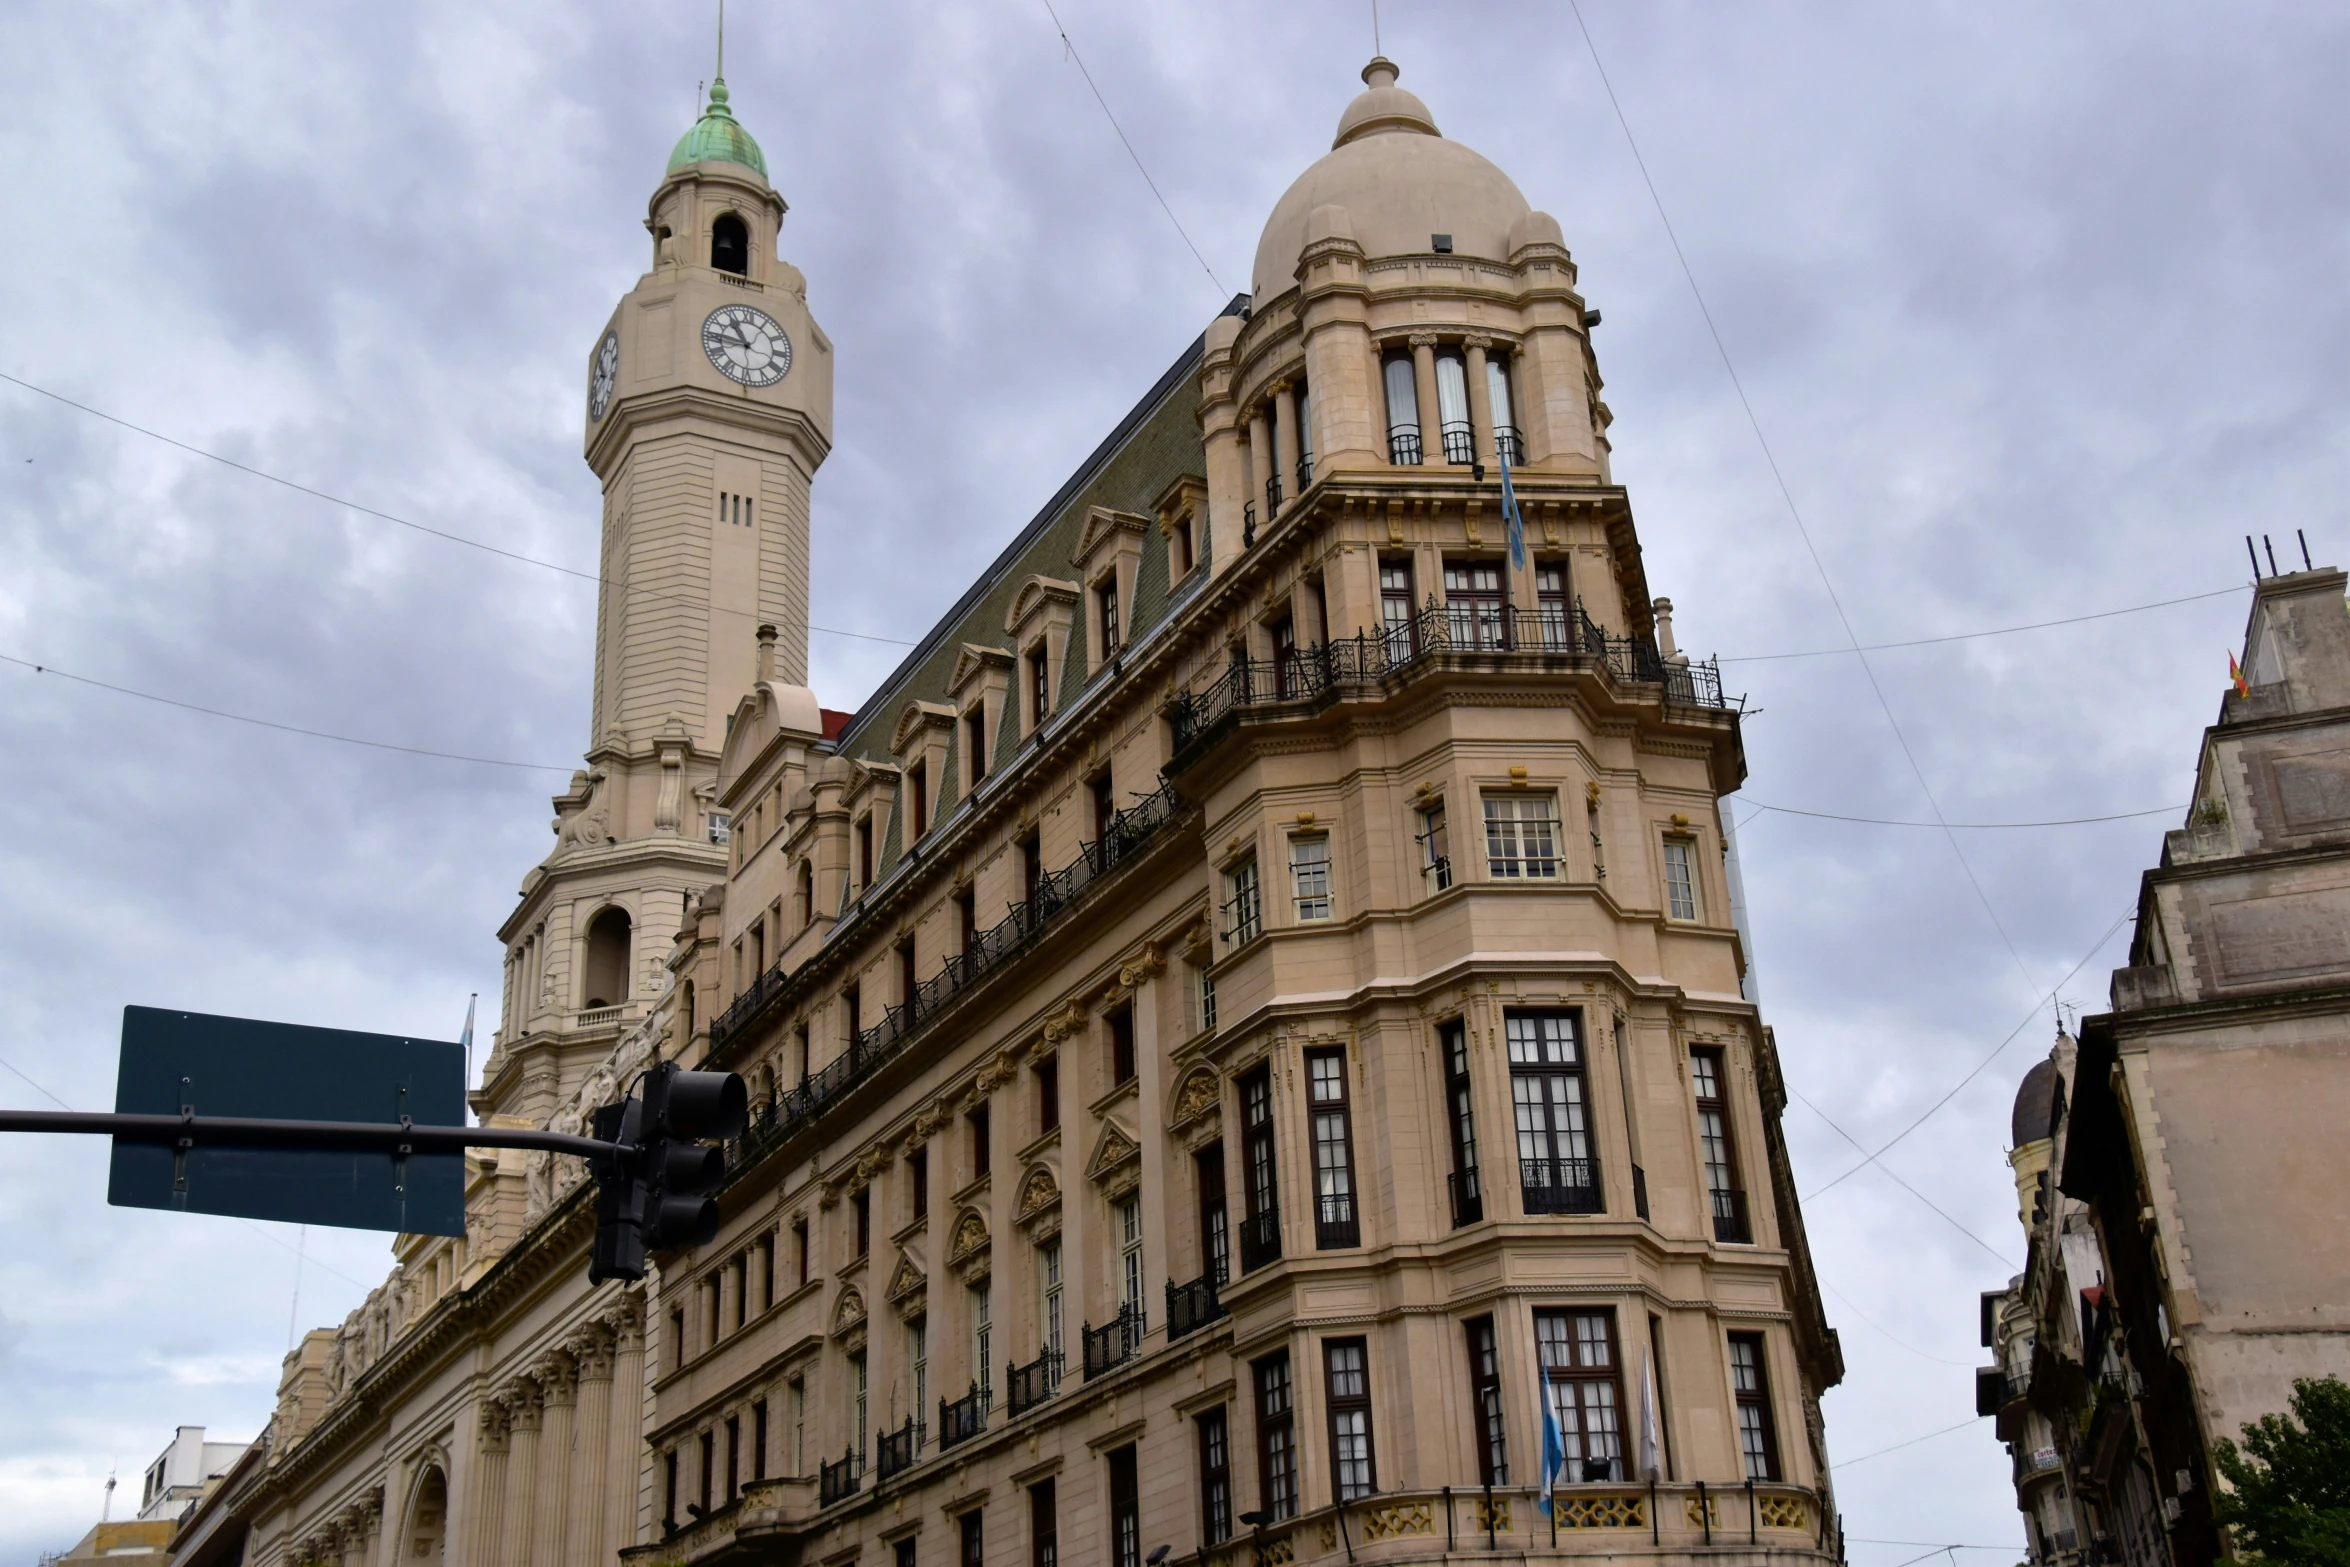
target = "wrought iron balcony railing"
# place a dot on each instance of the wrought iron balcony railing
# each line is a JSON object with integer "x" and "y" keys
{"x": 1129, "y": 832}
{"x": 1260, "y": 1240}
{"x": 898, "y": 1450}
{"x": 1460, "y": 444}
{"x": 1403, "y": 446}
{"x": 1510, "y": 444}
{"x": 1560, "y": 1186}
{"x": 965, "y": 1418}
{"x": 1113, "y": 1343}
{"x": 1248, "y": 524}
{"x": 1272, "y": 494}
{"x": 1468, "y": 1197}
{"x": 1336, "y": 1225}
{"x": 1731, "y": 1225}
{"x": 836, "y": 1480}
{"x": 1305, "y": 472}
{"x": 1365, "y": 661}
{"x": 1192, "y": 1305}
{"x": 1027, "y": 1386}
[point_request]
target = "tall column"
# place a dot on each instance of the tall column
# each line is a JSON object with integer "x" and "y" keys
{"x": 1285, "y": 437}
{"x": 1424, "y": 378}
{"x": 626, "y": 1433}
{"x": 522, "y": 1472}
{"x": 1260, "y": 461}
{"x": 591, "y": 1465}
{"x": 551, "y": 1506}
{"x": 482, "y": 1536}
{"x": 1382, "y": 416}
{"x": 1480, "y": 400}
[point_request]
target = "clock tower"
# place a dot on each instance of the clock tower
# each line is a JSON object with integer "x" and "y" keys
{"x": 708, "y": 410}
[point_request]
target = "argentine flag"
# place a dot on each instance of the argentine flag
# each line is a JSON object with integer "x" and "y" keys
{"x": 1554, "y": 1441}
{"x": 1509, "y": 508}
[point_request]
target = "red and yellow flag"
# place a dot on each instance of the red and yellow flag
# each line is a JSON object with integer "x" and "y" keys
{"x": 2236, "y": 677}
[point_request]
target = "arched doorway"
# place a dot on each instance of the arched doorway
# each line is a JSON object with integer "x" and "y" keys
{"x": 428, "y": 1519}
{"x": 605, "y": 982}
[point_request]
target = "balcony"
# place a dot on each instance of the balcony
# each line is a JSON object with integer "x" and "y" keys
{"x": 1272, "y": 495}
{"x": 1403, "y": 446}
{"x": 1731, "y": 1225}
{"x": 1248, "y": 524}
{"x": 1369, "y": 665}
{"x": 1460, "y": 445}
{"x": 1336, "y": 1226}
{"x": 898, "y": 1450}
{"x": 1113, "y": 1343}
{"x": 1260, "y": 1240}
{"x": 837, "y": 1480}
{"x": 1560, "y": 1186}
{"x": 963, "y": 1419}
{"x": 1468, "y": 1197}
{"x": 1305, "y": 472}
{"x": 1191, "y": 1306}
{"x": 1510, "y": 444}
{"x": 1027, "y": 1386}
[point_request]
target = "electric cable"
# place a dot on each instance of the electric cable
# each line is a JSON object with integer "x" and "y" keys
{"x": 1885, "y": 821}
{"x": 1868, "y": 1158}
{"x": 1887, "y": 1334}
{"x": 1969, "y": 636}
{"x": 1912, "y": 1442}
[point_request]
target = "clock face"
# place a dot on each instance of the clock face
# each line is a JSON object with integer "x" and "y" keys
{"x": 746, "y": 345}
{"x": 605, "y": 376}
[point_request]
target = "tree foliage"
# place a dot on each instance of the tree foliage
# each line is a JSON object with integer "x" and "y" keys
{"x": 2291, "y": 1479}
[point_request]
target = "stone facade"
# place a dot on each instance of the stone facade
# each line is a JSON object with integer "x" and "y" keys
{"x": 1248, "y": 1013}
{"x": 2182, "y": 1181}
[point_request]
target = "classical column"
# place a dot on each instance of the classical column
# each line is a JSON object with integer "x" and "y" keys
{"x": 1480, "y": 400}
{"x": 626, "y": 1433}
{"x": 482, "y": 1536}
{"x": 1285, "y": 437}
{"x": 591, "y": 1466}
{"x": 551, "y": 1506}
{"x": 1424, "y": 378}
{"x": 522, "y": 1472}
{"x": 1260, "y": 460}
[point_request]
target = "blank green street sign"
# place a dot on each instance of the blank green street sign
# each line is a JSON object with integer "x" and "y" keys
{"x": 233, "y": 1066}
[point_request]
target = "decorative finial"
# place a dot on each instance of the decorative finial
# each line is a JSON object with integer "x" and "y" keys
{"x": 722, "y": 40}
{"x": 1381, "y": 72}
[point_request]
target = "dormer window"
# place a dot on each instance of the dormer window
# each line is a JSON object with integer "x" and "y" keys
{"x": 1040, "y": 695}
{"x": 1106, "y": 600}
{"x": 730, "y": 245}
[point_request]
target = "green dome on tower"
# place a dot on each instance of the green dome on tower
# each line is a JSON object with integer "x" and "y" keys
{"x": 717, "y": 137}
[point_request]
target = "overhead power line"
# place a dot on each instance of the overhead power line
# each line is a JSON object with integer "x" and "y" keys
{"x": 1886, "y": 821}
{"x": 1969, "y": 636}
{"x": 384, "y": 516}
{"x": 1912, "y": 1442}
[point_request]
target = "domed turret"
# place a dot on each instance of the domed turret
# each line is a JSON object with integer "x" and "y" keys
{"x": 2035, "y": 1105}
{"x": 1400, "y": 184}
{"x": 718, "y": 137}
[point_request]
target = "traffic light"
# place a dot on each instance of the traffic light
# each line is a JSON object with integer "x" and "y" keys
{"x": 653, "y": 1193}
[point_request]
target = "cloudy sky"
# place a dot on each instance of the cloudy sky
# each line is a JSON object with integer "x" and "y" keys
{"x": 2041, "y": 310}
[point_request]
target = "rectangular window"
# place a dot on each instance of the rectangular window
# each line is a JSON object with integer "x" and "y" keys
{"x": 1395, "y": 605}
{"x": 1403, "y": 412}
{"x": 1243, "y": 915}
{"x": 864, "y": 852}
{"x": 1179, "y": 550}
{"x": 1048, "y": 1095}
{"x": 1472, "y": 604}
{"x": 1276, "y": 1437}
{"x": 709, "y": 1457}
{"x": 1468, "y": 1195}
{"x": 799, "y": 1037}
{"x": 966, "y": 921}
{"x": 1207, "y": 999}
{"x": 1121, "y": 1026}
{"x": 918, "y": 1181}
{"x": 1309, "y": 876}
{"x": 742, "y": 1289}
{"x": 1031, "y": 870}
{"x": 1048, "y": 1268}
{"x": 1215, "y": 1476}
{"x": 1579, "y": 1370}
{"x": 1435, "y": 847}
{"x": 676, "y": 1337}
{"x": 1493, "y": 1453}
{"x": 1104, "y": 799}
{"x": 712, "y": 1291}
{"x": 1758, "y": 1443}
{"x": 902, "y": 1552}
{"x": 1106, "y": 597}
{"x": 853, "y": 1009}
{"x": 980, "y": 1152}
{"x": 918, "y": 797}
{"x": 734, "y": 1458}
{"x": 1680, "y": 882}
{"x": 970, "y": 1549}
{"x": 861, "y": 1207}
{"x": 799, "y": 1241}
{"x": 1215, "y": 1238}
{"x": 1347, "y": 1375}
{"x": 1044, "y": 1526}
{"x": 982, "y": 1340}
{"x": 1125, "y": 1509}
{"x": 975, "y": 742}
{"x": 918, "y": 1363}
{"x": 799, "y": 1427}
{"x": 1287, "y": 681}
{"x": 1550, "y": 601}
{"x": 1040, "y": 693}
{"x": 759, "y": 1440}
{"x": 1556, "y": 1172}
{"x": 1521, "y": 836}
{"x": 1260, "y": 1238}
{"x": 1723, "y": 1192}
{"x": 1336, "y": 1222}
{"x": 669, "y": 1490}
{"x": 1129, "y": 1232}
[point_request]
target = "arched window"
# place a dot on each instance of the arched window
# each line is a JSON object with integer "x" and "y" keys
{"x": 730, "y": 245}
{"x": 804, "y": 898}
{"x": 606, "y": 980}
{"x": 428, "y": 1518}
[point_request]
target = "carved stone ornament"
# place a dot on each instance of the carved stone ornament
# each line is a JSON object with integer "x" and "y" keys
{"x": 1200, "y": 1094}
{"x": 1116, "y": 1165}
{"x": 848, "y": 1319}
{"x": 926, "y": 1126}
{"x": 968, "y": 1252}
{"x": 1146, "y": 964}
{"x": 908, "y": 1288}
{"x": 995, "y": 1074}
{"x": 1039, "y": 1194}
{"x": 1069, "y": 1020}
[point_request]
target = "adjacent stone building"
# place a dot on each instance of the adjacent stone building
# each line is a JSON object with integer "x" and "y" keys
{"x": 1247, "y": 1016}
{"x": 2182, "y": 1169}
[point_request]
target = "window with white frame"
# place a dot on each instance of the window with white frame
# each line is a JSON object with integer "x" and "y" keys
{"x": 1048, "y": 1267}
{"x": 918, "y": 1361}
{"x": 1244, "y": 913}
{"x": 1521, "y": 836}
{"x": 1309, "y": 875}
{"x": 1435, "y": 846}
{"x": 1129, "y": 1231}
{"x": 982, "y": 1341}
{"x": 1680, "y": 879}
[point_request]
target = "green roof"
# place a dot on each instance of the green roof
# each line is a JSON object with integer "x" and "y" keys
{"x": 717, "y": 137}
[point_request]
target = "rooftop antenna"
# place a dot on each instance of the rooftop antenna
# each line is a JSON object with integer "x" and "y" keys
{"x": 106, "y": 1512}
{"x": 2255, "y": 554}
{"x": 1376, "y": 48}
{"x": 721, "y": 40}
{"x": 2272, "y": 554}
{"x": 2304, "y": 538}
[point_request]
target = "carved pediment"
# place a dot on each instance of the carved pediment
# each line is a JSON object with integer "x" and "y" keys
{"x": 1200, "y": 1094}
{"x": 848, "y": 1317}
{"x": 974, "y": 660}
{"x": 1107, "y": 528}
{"x": 1181, "y": 501}
{"x": 908, "y": 1287}
{"x": 1117, "y": 1158}
{"x": 969, "y": 1250}
{"x": 1039, "y": 1193}
{"x": 1038, "y": 594}
{"x": 917, "y": 717}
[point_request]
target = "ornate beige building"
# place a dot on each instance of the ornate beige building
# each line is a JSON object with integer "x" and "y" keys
{"x": 1247, "y": 1022}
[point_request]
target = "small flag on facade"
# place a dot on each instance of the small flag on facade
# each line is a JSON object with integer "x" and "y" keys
{"x": 1554, "y": 1441}
{"x": 466, "y": 1039}
{"x": 1509, "y": 508}
{"x": 2236, "y": 677}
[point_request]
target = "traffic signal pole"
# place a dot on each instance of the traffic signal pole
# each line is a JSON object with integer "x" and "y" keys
{"x": 393, "y": 1137}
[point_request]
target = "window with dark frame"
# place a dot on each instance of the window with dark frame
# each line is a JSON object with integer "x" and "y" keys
{"x": 975, "y": 742}
{"x": 669, "y": 1491}
{"x": 970, "y": 1547}
{"x": 1580, "y": 1373}
{"x": 1521, "y": 836}
{"x": 918, "y": 797}
{"x": 759, "y": 1440}
{"x": 1758, "y": 1442}
{"x": 1125, "y": 1508}
{"x": 1493, "y": 1452}
{"x": 966, "y": 920}
{"x": 1243, "y": 909}
{"x": 1550, "y": 606}
{"x": 676, "y": 1337}
{"x": 742, "y": 1288}
{"x": 980, "y": 1150}
{"x": 708, "y": 1452}
{"x": 853, "y": 1004}
{"x": 804, "y": 895}
{"x": 1040, "y": 693}
{"x": 1121, "y": 1027}
{"x": 864, "y": 852}
{"x": 902, "y": 1552}
{"x": 907, "y": 984}
{"x": 799, "y": 1239}
{"x": 1556, "y": 1172}
{"x": 1215, "y": 1476}
{"x": 918, "y": 1181}
{"x": 1468, "y": 1193}
{"x": 1395, "y": 607}
{"x": 1261, "y": 1240}
{"x": 1472, "y": 604}
{"x": 1336, "y": 1223}
{"x": 734, "y": 1457}
{"x": 1031, "y": 868}
{"x": 1346, "y": 1371}
{"x": 1276, "y": 1437}
{"x": 1215, "y": 1238}
{"x": 1724, "y": 1195}
{"x": 1044, "y": 1526}
{"x": 1048, "y": 1095}
{"x": 862, "y": 1206}
{"x": 1435, "y": 846}
{"x": 1104, "y": 799}
{"x": 1106, "y": 599}
{"x": 1286, "y": 679}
